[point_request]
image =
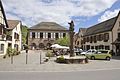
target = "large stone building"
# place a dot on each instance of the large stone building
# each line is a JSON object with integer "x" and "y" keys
{"x": 44, "y": 34}
{"x": 105, "y": 35}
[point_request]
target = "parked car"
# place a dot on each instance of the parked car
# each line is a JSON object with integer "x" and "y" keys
{"x": 102, "y": 54}
{"x": 77, "y": 50}
{"x": 90, "y": 51}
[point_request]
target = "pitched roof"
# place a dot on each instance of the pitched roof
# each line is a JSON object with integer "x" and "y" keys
{"x": 2, "y": 9}
{"x": 12, "y": 23}
{"x": 48, "y": 26}
{"x": 101, "y": 27}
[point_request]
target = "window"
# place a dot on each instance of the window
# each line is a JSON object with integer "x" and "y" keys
{"x": 106, "y": 37}
{"x": 101, "y": 47}
{"x": 1, "y": 28}
{"x": 104, "y": 52}
{"x": 100, "y": 37}
{"x": 77, "y": 42}
{"x": 107, "y": 47}
{"x": 87, "y": 39}
{"x": 119, "y": 24}
{"x": 41, "y": 45}
{"x": 16, "y": 47}
{"x": 64, "y": 34}
{"x": 49, "y": 35}
{"x": 84, "y": 40}
{"x": 41, "y": 35}
{"x": 119, "y": 36}
{"x": 16, "y": 36}
{"x": 92, "y": 47}
{"x": 95, "y": 40}
{"x": 91, "y": 39}
{"x": 96, "y": 47}
{"x": 33, "y": 34}
{"x": 56, "y": 35}
{"x": 87, "y": 47}
{"x": 2, "y": 48}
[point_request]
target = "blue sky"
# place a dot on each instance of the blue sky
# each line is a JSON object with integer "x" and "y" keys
{"x": 84, "y": 13}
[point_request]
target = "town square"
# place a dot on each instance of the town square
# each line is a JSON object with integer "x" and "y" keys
{"x": 59, "y": 43}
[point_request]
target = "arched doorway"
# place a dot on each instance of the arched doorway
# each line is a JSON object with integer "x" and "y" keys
{"x": 33, "y": 46}
{"x": 41, "y": 45}
{"x": 48, "y": 45}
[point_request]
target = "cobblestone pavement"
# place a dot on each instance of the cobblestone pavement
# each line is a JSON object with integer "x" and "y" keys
{"x": 33, "y": 64}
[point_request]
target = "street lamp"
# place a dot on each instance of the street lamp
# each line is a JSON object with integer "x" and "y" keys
{"x": 71, "y": 32}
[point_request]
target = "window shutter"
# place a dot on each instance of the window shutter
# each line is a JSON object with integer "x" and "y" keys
{"x": 30, "y": 34}
{"x": 38, "y": 34}
{"x": 46, "y": 35}
{"x": 43, "y": 35}
{"x": 54, "y": 35}
{"x": 51, "y": 35}
{"x": 35, "y": 34}
{"x": 59, "y": 35}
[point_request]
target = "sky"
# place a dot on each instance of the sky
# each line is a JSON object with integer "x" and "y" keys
{"x": 84, "y": 13}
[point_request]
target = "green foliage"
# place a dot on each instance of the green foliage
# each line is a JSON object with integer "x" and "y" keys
{"x": 11, "y": 52}
{"x": 61, "y": 59}
{"x": 8, "y": 33}
{"x": 24, "y": 34}
{"x": 63, "y": 41}
{"x": 49, "y": 54}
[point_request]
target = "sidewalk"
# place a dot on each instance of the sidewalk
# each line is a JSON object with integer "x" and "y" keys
{"x": 51, "y": 66}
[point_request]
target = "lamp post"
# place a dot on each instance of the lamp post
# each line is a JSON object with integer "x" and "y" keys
{"x": 71, "y": 32}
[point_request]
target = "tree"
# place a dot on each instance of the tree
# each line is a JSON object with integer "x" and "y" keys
{"x": 24, "y": 34}
{"x": 63, "y": 41}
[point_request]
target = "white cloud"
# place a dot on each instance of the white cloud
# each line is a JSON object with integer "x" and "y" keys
{"x": 108, "y": 14}
{"x": 32, "y": 12}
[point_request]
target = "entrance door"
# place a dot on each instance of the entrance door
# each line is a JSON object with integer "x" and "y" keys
{"x": 118, "y": 49}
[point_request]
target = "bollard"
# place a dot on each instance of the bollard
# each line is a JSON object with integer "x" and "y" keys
{"x": 86, "y": 60}
{"x": 26, "y": 56}
{"x": 40, "y": 57}
{"x": 11, "y": 59}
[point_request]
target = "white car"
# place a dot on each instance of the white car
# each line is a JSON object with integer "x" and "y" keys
{"x": 77, "y": 50}
{"x": 91, "y": 51}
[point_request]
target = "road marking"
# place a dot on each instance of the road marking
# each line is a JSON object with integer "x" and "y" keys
{"x": 69, "y": 70}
